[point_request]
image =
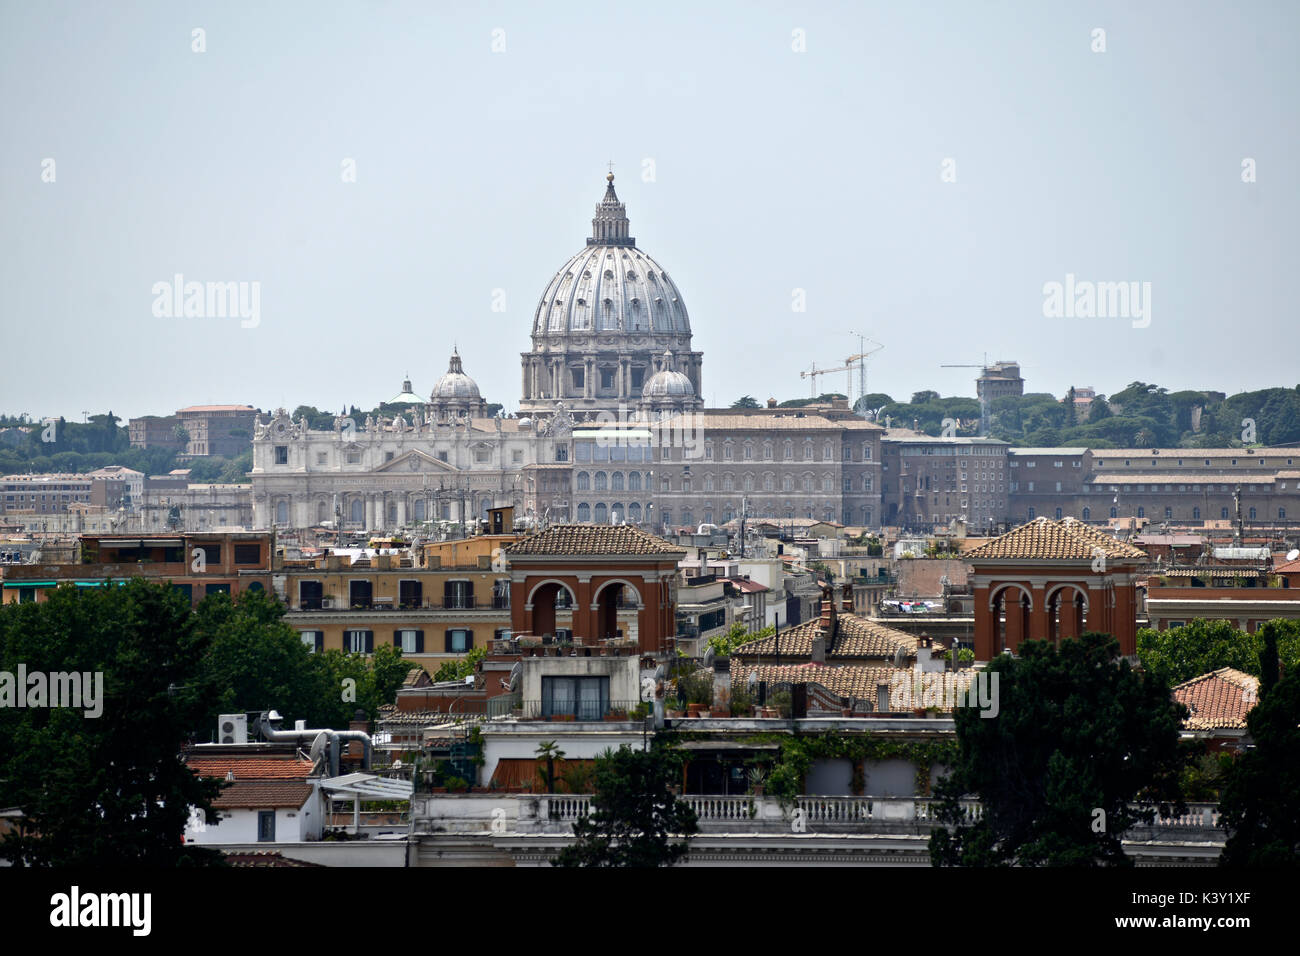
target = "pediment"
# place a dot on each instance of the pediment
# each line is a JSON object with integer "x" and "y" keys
{"x": 416, "y": 462}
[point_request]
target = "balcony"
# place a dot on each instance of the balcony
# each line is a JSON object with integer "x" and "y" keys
{"x": 565, "y": 710}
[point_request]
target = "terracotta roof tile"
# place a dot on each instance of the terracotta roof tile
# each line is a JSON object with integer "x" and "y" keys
{"x": 262, "y": 794}
{"x": 264, "y": 858}
{"x": 1219, "y": 700}
{"x": 860, "y": 682}
{"x": 1043, "y": 538}
{"x": 858, "y": 637}
{"x": 593, "y": 539}
{"x": 259, "y": 767}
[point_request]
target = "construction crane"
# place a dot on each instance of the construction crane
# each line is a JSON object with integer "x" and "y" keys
{"x": 984, "y": 401}
{"x": 851, "y": 364}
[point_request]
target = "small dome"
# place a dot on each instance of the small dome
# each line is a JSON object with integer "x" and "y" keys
{"x": 455, "y": 386}
{"x": 668, "y": 384}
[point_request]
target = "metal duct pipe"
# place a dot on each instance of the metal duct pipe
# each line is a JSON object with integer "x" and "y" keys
{"x": 298, "y": 734}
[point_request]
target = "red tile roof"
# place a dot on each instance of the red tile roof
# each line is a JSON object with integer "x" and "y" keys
{"x": 858, "y": 637}
{"x": 1042, "y": 538}
{"x": 593, "y": 539}
{"x": 262, "y": 795}
{"x": 259, "y": 767}
{"x": 1219, "y": 700}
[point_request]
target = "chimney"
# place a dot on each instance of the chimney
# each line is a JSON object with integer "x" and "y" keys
{"x": 846, "y": 598}
{"x": 355, "y": 747}
{"x": 819, "y": 648}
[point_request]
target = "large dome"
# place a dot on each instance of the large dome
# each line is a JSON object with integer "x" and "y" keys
{"x": 455, "y": 386}
{"x": 609, "y": 321}
{"x": 611, "y": 288}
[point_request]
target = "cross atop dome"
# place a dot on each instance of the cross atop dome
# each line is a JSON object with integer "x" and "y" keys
{"x": 609, "y": 227}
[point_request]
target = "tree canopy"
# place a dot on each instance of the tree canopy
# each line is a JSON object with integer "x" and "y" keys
{"x": 1198, "y": 647}
{"x": 1260, "y": 806}
{"x": 107, "y": 790}
{"x": 1077, "y": 737}
{"x": 636, "y": 819}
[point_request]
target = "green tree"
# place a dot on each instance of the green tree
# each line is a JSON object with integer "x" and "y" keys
{"x": 1198, "y": 647}
{"x": 107, "y": 790}
{"x": 737, "y": 634}
{"x": 746, "y": 401}
{"x": 636, "y": 816}
{"x": 1076, "y": 731}
{"x": 460, "y": 669}
{"x": 1260, "y": 807}
{"x": 256, "y": 661}
{"x": 549, "y": 751}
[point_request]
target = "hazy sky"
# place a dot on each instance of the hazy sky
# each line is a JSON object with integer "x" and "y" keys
{"x": 773, "y": 170}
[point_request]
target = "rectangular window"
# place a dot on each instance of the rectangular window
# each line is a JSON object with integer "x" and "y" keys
{"x": 409, "y": 641}
{"x": 410, "y": 593}
{"x": 222, "y": 588}
{"x": 579, "y": 377}
{"x": 354, "y": 456}
{"x": 282, "y": 454}
{"x": 265, "y": 826}
{"x": 458, "y": 595}
{"x": 638, "y": 376}
{"x": 315, "y": 640}
{"x": 186, "y": 590}
{"x": 310, "y": 595}
{"x": 606, "y": 378}
{"x": 360, "y": 593}
{"x": 586, "y": 698}
{"x": 248, "y": 553}
{"x": 357, "y": 641}
{"x": 459, "y": 641}
{"x": 322, "y": 457}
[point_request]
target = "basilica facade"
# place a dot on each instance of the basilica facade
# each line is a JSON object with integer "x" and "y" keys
{"x": 611, "y": 342}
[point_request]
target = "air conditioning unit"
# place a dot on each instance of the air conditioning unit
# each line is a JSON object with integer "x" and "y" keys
{"x": 232, "y": 729}
{"x": 327, "y": 602}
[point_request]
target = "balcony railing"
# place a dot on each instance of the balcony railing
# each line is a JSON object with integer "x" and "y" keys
{"x": 563, "y": 708}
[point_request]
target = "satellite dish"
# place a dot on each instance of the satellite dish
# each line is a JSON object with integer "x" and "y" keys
{"x": 318, "y": 746}
{"x": 1293, "y": 554}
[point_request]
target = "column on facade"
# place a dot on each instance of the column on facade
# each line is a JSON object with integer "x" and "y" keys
{"x": 401, "y": 511}
{"x": 370, "y": 512}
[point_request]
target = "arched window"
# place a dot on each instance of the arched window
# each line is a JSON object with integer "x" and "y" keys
{"x": 749, "y": 482}
{"x": 602, "y": 513}
{"x": 789, "y": 450}
{"x": 420, "y": 509}
{"x": 616, "y": 481}
{"x": 1087, "y": 514}
{"x": 708, "y": 516}
{"x": 688, "y": 518}
{"x": 634, "y": 481}
{"x": 358, "y": 510}
{"x": 787, "y": 483}
{"x": 827, "y": 453}
{"x": 584, "y": 512}
{"x": 767, "y": 483}
{"x": 322, "y": 511}
{"x": 807, "y": 483}
{"x": 728, "y": 483}
{"x": 727, "y": 514}
{"x": 634, "y": 511}
{"x": 827, "y": 484}
{"x": 584, "y": 481}
{"x": 282, "y": 512}
{"x": 1142, "y": 512}
{"x": 708, "y": 482}
{"x": 602, "y": 481}
{"x": 767, "y": 451}
{"x": 617, "y": 513}
{"x": 1196, "y": 514}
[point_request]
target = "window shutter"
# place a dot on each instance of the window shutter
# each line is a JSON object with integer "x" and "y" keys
{"x": 370, "y": 642}
{"x": 419, "y": 642}
{"x": 320, "y": 641}
{"x": 469, "y": 592}
{"x": 447, "y": 641}
{"x": 448, "y": 592}
{"x": 397, "y": 639}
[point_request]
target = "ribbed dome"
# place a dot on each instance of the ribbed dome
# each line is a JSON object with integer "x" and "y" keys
{"x": 455, "y": 386}
{"x": 611, "y": 285}
{"x": 668, "y": 383}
